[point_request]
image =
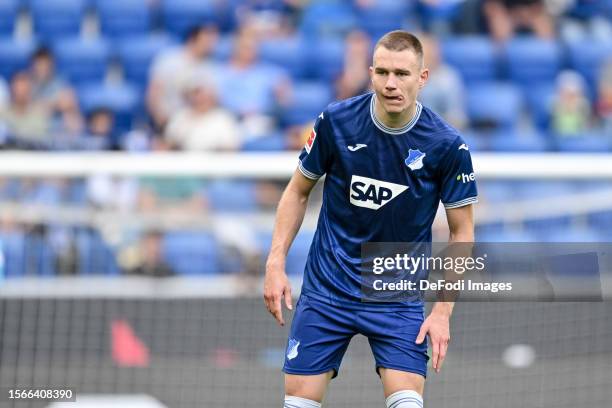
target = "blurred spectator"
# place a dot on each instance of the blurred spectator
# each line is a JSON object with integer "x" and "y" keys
{"x": 270, "y": 17}
{"x": 604, "y": 97}
{"x": 252, "y": 89}
{"x": 112, "y": 192}
{"x": 444, "y": 91}
{"x": 54, "y": 92}
{"x": 571, "y": 111}
{"x": 203, "y": 124}
{"x": 439, "y": 16}
{"x": 354, "y": 79}
{"x": 97, "y": 136}
{"x": 26, "y": 121}
{"x": 581, "y": 20}
{"x": 172, "y": 69}
{"x": 173, "y": 194}
{"x": 508, "y": 17}
{"x": 100, "y": 125}
{"x": 147, "y": 259}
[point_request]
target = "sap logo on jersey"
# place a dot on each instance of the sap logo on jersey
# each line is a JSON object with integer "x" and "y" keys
{"x": 466, "y": 178}
{"x": 371, "y": 193}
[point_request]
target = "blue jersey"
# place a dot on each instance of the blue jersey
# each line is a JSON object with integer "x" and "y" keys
{"x": 382, "y": 185}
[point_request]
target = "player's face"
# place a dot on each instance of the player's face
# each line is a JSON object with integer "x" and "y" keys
{"x": 397, "y": 77}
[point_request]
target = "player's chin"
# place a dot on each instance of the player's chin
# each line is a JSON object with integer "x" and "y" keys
{"x": 395, "y": 108}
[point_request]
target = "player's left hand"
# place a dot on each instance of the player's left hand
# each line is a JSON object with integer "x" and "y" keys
{"x": 437, "y": 325}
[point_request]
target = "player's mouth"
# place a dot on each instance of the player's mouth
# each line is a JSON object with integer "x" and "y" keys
{"x": 393, "y": 98}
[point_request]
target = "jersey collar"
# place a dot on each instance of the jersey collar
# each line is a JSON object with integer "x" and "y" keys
{"x": 390, "y": 130}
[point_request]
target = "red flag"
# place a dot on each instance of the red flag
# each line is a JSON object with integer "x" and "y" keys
{"x": 127, "y": 349}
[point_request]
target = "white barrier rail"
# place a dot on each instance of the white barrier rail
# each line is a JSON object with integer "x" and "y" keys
{"x": 281, "y": 165}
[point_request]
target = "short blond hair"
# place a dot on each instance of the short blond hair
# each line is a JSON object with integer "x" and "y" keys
{"x": 400, "y": 40}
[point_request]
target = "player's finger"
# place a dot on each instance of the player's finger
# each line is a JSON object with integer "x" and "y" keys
{"x": 422, "y": 334}
{"x": 442, "y": 356}
{"x": 288, "y": 300}
{"x": 436, "y": 354}
{"x": 277, "y": 311}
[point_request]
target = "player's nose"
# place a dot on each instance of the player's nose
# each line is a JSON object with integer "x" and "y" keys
{"x": 391, "y": 82}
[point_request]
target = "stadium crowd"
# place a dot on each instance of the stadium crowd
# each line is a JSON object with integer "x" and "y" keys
{"x": 252, "y": 75}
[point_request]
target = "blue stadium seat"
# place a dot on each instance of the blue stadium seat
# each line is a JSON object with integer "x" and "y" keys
{"x": 8, "y": 16}
{"x": 506, "y": 236}
{"x": 13, "y": 248}
{"x": 569, "y": 234}
{"x": 40, "y": 257}
{"x": 120, "y": 18}
{"x": 95, "y": 256}
{"x": 532, "y": 61}
{"x": 496, "y": 191}
{"x": 326, "y": 18}
{"x": 601, "y": 220}
{"x": 271, "y": 143}
{"x": 540, "y": 227}
{"x": 231, "y": 195}
{"x": 541, "y": 189}
{"x": 475, "y": 57}
{"x": 191, "y": 253}
{"x": 14, "y": 55}
{"x": 587, "y": 57}
{"x": 298, "y": 253}
{"x": 308, "y": 101}
{"x": 382, "y": 16}
{"x": 122, "y": 99}
{"x": 55, "y": 19}
{"x": 539, "y": 100}
{"x": 181, "y": 15}
{"x": 513, "y": 141}
{"x": 137, "y": 53}
{"x": 589, "y": 142}
{"x": 251, "y": 90}
{"x": 327, "y": 59}
{"x": 82, "y": 60}
{"x": 288, "y": 53}
{"x": 497, "y": 105}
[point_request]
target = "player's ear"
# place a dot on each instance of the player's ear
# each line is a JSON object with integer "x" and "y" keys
{"x": 371, "y": 72}
{"x": 423, "y": 77}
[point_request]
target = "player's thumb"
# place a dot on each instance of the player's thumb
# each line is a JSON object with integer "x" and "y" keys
{"x": 288, "y": 300}
{"x": 422, "y": 334}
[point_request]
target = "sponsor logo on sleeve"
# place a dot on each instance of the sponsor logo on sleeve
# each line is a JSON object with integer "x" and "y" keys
{"x": 310, "y": 141}
{"x": 466, "y": 178}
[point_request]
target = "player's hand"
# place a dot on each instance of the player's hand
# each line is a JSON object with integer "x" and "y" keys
{"x": 437, "y": 325}
{"x": 277, "y": 286}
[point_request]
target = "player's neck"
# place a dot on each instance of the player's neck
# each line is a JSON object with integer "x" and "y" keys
{"x": 394, "y": 120}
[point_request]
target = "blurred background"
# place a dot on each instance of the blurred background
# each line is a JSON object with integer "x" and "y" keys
{"x": 146, "y": 144}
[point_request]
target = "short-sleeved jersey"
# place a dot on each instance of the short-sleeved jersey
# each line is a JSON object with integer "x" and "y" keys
{"x": 382, "y": 185}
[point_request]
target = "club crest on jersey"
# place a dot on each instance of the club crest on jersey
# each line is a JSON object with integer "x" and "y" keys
{"x": 310, "y": 141}
{"x": 371, "y": 193}
{"x": 414, "y": 161}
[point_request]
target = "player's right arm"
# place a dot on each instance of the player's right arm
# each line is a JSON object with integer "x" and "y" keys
{"x": 289, "y": 217}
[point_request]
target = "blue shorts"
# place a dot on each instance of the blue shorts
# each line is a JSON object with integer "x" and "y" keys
{"x": 320, "y": 334}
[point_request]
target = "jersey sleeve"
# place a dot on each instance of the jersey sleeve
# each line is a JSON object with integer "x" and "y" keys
{"x": 315, "y": 157}
{"x": 457, "y": 177}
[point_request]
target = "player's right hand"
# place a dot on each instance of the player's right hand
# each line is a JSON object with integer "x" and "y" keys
{"x": 277, "y": 286}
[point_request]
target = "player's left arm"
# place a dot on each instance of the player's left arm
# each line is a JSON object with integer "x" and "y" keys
{"x": 437, "y": 325}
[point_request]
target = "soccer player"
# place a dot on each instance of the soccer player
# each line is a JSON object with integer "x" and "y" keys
{"x": 388, "y": 161}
